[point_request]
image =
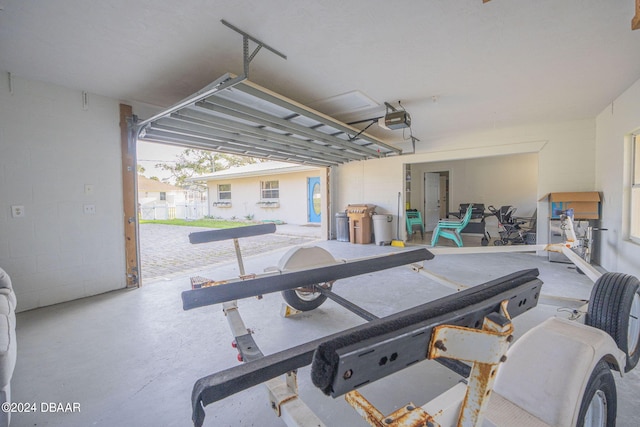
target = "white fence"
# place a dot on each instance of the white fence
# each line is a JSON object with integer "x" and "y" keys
{"x": 194, "y": 210}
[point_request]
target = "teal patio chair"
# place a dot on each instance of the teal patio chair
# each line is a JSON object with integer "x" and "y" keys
{"x": 451, "y": 229}
{"x": 414, "y": 218}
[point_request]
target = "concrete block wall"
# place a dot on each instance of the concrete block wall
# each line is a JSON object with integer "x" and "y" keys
{"x": 50, "y": 148}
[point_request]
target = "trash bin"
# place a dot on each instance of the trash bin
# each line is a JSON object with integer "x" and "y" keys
{"x": 342, "y": 227}
{"x": 382, "y": 229}
{"x": 360, "y": 223}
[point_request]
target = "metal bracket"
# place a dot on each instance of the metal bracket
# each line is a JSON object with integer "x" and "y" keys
{"x": 408, "y": 415}
{"x": 281, "y": 392}
{"x": 247, "y": 58}
{"x": 486, "y": 348}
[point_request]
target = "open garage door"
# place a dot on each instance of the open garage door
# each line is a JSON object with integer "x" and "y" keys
{"x": 233, "y": 115}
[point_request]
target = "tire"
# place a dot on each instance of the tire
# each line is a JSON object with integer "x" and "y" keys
{"x": 306, "y": 298}
{"x": 599, "y": 401}
{"x": 614, "y": 307}
{"x": 484, "y": 241}
{"x": 303, "y": 299}
{"x": 498, "y": 242}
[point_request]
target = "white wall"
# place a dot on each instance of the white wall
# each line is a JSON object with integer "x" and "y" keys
{"x": 566, "y": 155}
{"x": 49, "y": 149}
{"x": 245, "y": 194}
{"x": 613, "y": 169}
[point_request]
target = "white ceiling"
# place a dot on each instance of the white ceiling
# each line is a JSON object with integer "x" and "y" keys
{"x": 499, "y": 64}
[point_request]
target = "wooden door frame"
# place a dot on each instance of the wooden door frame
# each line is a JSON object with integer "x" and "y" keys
{"x": 129, "y": 197}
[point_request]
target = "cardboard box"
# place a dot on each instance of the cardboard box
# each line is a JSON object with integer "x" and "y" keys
{"x": 585, "y": 205}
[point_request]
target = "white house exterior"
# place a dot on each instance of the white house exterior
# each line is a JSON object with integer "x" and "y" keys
{"x": 268, "y": 191}
{"x": 159, "y": 200}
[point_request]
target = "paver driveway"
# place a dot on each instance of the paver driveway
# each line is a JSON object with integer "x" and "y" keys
{"x": 165, "y": 250}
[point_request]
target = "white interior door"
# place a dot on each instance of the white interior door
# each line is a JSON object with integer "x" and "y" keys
{"x": 431, "y": 200}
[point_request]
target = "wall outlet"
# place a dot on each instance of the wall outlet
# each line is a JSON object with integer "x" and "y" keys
{"x": 90, "y": 209}
{"x": 17, "y": 211}
{"x": 88, "y": 189}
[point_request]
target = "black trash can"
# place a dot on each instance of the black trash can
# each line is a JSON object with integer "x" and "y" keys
{"x": 342, "y": 227}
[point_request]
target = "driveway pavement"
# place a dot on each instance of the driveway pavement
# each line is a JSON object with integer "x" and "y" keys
{"x": 165, "y": 250}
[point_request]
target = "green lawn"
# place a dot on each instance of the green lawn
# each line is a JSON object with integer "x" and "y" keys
{"x": 205, "y": 222}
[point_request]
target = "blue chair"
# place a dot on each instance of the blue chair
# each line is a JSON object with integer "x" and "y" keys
{"x": 451, "y": 229}
{"x": 414, "y": 218}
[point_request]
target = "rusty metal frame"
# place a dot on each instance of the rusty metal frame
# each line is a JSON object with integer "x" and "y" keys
{"x": 486, "y": 348}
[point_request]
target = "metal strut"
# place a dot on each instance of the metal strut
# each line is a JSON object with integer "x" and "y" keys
{"x": 247, "y": 58}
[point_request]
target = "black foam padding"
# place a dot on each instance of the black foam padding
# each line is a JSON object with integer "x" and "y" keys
{"x": 325, "y": 359}
{"x": 225, "y": 383}
{"x": 231, "y": 233}
{"x": 295, "y": 279}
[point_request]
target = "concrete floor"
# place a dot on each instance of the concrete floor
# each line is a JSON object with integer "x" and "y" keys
{"x": 131, "y": 357}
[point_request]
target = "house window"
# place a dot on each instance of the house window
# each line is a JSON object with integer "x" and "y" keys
{"x": 635, "y": 190}
{"x": 163, "y": 195}
{"x": 224, "y": 192}
{"x": 269, "y": 190}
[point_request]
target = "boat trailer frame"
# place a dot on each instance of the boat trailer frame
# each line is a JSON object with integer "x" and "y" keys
{"x": 341, "y": 362}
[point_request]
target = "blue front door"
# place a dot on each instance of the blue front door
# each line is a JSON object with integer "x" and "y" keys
{"x": 314, "y": 197}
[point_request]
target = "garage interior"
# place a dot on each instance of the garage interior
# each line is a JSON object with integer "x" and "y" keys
{"x": 509, "y": 100}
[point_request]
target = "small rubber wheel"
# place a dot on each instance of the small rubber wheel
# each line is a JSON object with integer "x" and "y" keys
{"x": 599, "y": 401}
{"x": 614, "y": 307}
{"x": 484, "y": 241}
{"x": 304, "y": 299}
{"x": 498, "y": 242}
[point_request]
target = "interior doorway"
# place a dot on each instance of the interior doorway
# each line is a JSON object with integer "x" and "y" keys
{"x": 436, "y": 198}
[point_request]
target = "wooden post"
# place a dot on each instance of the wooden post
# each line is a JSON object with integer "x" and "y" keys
{"x": 129, "y": 197}
{"x": 635, "y": 22}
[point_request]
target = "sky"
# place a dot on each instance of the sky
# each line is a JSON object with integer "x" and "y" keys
{"x": 150, "y": 154}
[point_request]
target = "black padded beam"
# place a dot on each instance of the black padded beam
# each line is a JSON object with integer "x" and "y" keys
{"x": 231, "y": 233}
{"x": 296, "y": 279}
{"x": 407, "y": 334}
{"x": 466, "y": 306}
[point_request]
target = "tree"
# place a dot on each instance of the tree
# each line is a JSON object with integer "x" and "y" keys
{"x": 192, "y": 162}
